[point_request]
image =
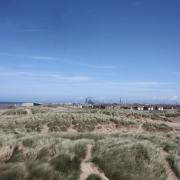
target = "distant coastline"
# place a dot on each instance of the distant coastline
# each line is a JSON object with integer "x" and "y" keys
{"x": 10, "y": 103}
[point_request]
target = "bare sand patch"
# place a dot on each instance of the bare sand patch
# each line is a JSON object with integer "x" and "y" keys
{"x": 88, "y": 168}
{"x": 170, "y": 173}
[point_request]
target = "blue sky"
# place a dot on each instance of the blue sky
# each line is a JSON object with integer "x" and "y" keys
{"x": 54, "y": 50}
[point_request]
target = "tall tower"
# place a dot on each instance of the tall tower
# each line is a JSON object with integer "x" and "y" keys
{"x": 120, "y": 101}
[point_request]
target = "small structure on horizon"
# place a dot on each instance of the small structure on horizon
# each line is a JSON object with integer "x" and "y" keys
{"x": 151, "y": 108}
{"x": 30, "y": 104}
{"x": 160, "y": 109}
{"x": 140, "y": 108}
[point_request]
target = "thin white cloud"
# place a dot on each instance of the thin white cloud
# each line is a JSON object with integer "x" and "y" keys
{"x": 65, "y": 61}
{"x": 7, "y": 54}
{"x": 98, "y": 66}
{"x": 165, "y": 98}
{"x": 12, "y": 72}
{"x": 138, "y": 3}
{"x": 4, "y": 72}
{"x": 136, "y": 87}
{"x": 71, "y": 78}
{"x": 155, "y": 90}
{"x": 30, "y": 75}
{"x": 176, "y": 73}
{"x": 29, "y": 30}
{"x": 11, "y": 26}
{"x": 140, "y": 83}
{"x": 43, "y": 58}
{"x": 94, "y": 66}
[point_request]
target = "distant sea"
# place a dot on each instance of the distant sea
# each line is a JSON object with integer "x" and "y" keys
{"x": 10, "y": 102}
{"x": 6, "y": 104}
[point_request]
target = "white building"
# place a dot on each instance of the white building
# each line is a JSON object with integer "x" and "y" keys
{"x": 27, "y": 104}
{"x": 140, "y": 108}
{"x": 150, "y": 108}
{"x": 160, "y": 108}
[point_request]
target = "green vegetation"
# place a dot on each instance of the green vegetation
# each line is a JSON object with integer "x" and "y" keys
{"x": 93, "y": 177}
{"x": 50, "y": 143}
{"x": 15, "y": 112}
{"x": 174, "y": 162}
{"x": 131, "y": 161}
{"x": 157, "y": 127}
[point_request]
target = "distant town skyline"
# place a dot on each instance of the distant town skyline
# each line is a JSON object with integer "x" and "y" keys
{"x": 57, "y": 50}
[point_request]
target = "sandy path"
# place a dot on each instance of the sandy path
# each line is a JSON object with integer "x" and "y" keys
{"x": 140, "y": 128}
{"x": 170, "y": 173}
{"x": 111, "y": 128}
{"x": 88, "y": 168}
{"x": 5, "y": 154}
{"x": 45, "y": 129}
{"x": 29, "y": 112}
{"x": 174, "y": 125}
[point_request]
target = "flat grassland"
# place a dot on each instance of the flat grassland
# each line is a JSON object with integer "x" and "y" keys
{"x": 65, "y": 143}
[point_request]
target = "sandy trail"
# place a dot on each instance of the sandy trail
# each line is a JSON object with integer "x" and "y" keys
{"x": 170, "y": 173}
{"x": 112, "y": 128}
{"x": 29, "y": 112}
{"x": 5, "y": 154}
{"x": 140, "y": 128}
{"x": 45, "y": 129}
{"x": 174, "y": 125}
{"x": 88, "y": 168}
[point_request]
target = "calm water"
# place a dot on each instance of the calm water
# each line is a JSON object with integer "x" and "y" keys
{"x": 5, "y": 104}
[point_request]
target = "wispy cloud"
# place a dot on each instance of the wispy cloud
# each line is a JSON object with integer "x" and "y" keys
{"x": 9, "y": 25}
{"x": 49, "y": 76}
{"x": 98, "y": 66}
{"x": 65, "y": 61}
{"x": 72, "y": 62}
{"x": 165, "y": 98}
{"x": 81, "y": 84}
{"x": 29, "y": 30}
{"x": 93, "y": 81}
{"x": 140, "y": 83}
{"x": 176, "y": 73}
{"x": 48, "y": 58}
{"x": 138, "y": 3}
{"x": 94, "y": 66}
{"x": 7, "y": 54}
{"x": 137, "y": 88}
{"x": 71, "y": 78}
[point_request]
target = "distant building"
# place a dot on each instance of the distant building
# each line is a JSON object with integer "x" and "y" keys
{"x": 150, "y": 108}
{"x": 99, "y": 106}
{"x": 140, "y": 108}
{"x": 90, "y": 101}
{"x": 160, "y": 108}
{"x": 80, "y": 106}
{"x": 30, "y": 104}
{"x": 77, "y": 105}
{"x": 87, "y": 106}
{"x": 27, "y": 104}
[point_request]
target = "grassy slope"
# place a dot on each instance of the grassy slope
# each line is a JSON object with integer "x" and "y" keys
{"x": 29, "y": 153}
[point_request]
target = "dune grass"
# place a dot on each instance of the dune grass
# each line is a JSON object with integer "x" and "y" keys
{"x": 174, "y": 162}
{"x": 29, "y": 153}
{"x": 131, "y": 161}
{"x": 15, "y": 112}
{"x": 93, "y": 177}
